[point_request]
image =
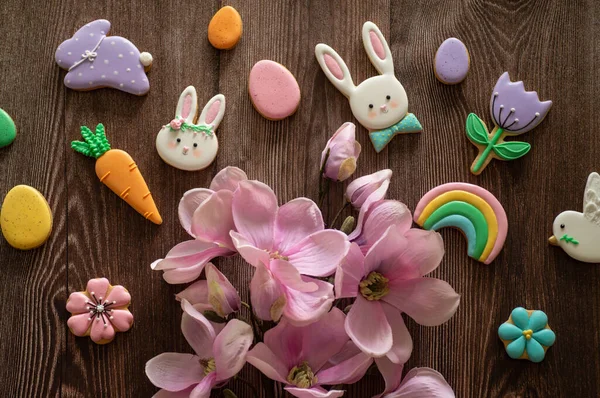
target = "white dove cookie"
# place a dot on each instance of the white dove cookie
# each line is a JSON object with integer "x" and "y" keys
{"x": 578, "y": 234}
{"x": 187, "y": 143}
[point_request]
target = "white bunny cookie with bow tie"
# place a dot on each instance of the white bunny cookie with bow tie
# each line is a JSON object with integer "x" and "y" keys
{"x": 379, "y": 103}
{"x": 578, "y": 234}
{"x": 187, "y": 143}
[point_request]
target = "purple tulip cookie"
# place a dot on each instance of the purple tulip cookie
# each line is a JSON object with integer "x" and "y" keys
{"x": 94, "y": 60}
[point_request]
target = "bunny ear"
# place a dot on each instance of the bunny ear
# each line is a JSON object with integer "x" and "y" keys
{"x": 591, "y": 198}
{"x": 213, "y": 111}
{"x": 187, "y": 107}
{"x": 335, "y": 69}
{"x": 377, "y": 49}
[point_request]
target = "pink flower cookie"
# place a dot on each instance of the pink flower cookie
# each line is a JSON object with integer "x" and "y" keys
{"x": 100, "y": 311}
{"x": 95, "y": 60}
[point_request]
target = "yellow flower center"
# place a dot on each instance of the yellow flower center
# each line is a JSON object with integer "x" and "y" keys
{"x": 302, "y": 376}
{"x": 527, "y": 333}
{"x": 276, "y": 256}
{"x": 208, "y": 365}
{"x": 374, "y": 286}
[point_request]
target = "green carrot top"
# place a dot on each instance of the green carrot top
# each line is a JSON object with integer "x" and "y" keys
{"x": 95, "y": 145}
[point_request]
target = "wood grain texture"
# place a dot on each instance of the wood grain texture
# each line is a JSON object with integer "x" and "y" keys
{"x": 549, "y": 44}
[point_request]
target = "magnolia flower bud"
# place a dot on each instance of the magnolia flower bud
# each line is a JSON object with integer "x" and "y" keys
{"x": 343, "y": 153}
{"x": 373, "y": 184}
{"x": 348, "y": 225}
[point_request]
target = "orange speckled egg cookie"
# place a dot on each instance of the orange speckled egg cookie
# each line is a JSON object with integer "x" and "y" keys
{"x": 225, "y": 28}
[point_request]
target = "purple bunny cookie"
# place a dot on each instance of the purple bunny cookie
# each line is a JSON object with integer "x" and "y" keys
{"x": 95, "y": 60}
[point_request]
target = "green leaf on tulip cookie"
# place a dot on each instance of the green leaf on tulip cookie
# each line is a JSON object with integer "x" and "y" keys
{"x": 511, "y": 150}
{"x": 476, "y": 130}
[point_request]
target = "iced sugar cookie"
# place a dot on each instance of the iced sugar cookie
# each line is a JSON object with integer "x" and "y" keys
{"x": 452, "y": 61}
{"x": 473, "y": 210}
{"x": 118, "y": 171}
{"x": 8, "y": 130}
{"x": 578, "y": 234}
{"x": 94, "y": 60}
{"x": 189, "y": 142}
{"x": 99, "y": 311}
{"x": 25, "y": 218}
{"x": 225, "y": 28}
{"x": 526, "y": 335}
{"x": 379, "y": 103}
{"x": 514, "y": 111}
{"x": 273, "y": 90}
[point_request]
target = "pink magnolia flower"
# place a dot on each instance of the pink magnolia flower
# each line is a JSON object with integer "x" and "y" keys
{"x": 280, "y": 290}
{"x": 294, "y": 232}
{"x": 207, "y": 216}
{"x": 176, "y": 124}
{"x": 344, "y": 151}
{"x": 100, "y": 311}
{"x": 418, "y": 383}
{"x": 215, "y": 293}
{"x": 388, "y": 281}
{"x": 375, "y": 185}
{"x": 218, "y": 357}
{"x": 298, "y": 357}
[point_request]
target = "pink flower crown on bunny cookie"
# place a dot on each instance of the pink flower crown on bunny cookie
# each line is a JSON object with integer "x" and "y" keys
{"x": 187, "y": 143}
{"x": 379, "y": 103}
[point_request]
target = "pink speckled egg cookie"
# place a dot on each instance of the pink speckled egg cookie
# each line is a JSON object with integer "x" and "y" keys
{"x": 273, "y": 90}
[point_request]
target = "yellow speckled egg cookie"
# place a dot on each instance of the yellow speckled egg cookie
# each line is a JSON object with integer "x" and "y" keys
{"x": 25, "y": 218}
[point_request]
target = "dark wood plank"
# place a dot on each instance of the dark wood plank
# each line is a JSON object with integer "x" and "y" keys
{"x": 550, "y": 45}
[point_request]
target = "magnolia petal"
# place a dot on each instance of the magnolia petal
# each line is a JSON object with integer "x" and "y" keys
{"x": 349, "y": 273}
{"x": 535, "y": 351}
{"x": 162, "y": 393}
{"x": 346, "y": 372}
{"x": 197, "y": 330}
{"x": 98, "y": 287}
{"x": 380, "y": 216}
{"x": 230, "y": 348}
{"x": 265, "y": 291}
{"x": 263, "y": 359}
{"x": 508, "y": 331}
{"x": 391, "y": 372}
{"x": 173, "y": 371}
{"x": 229, "y": 178}
{"x": 221, "y": 294}
{"x": 429, "y": 301}
{"x": 367, "y": 326}
{"x": 423, "y": 383}
{"x": 213, "y": 219}
{"x": 286, "y": 342}
{"x": 385, "y": 252}
{"x": 188, "y": 205}
{"x": 403, "y": 344}
{"x": 248, "y": 251}
{"x": 520, "y": 317}
{"x": 545, "y": 337}
{"x": 122, "y": 320}
{"x": 186, "y": 254}
{"x": 196, "y": 293}
{"x": 183, "y": 275}
{"x": 361, "y": 188}
{"x": 289, "y": 276}
{"x": 203, "y": 389}
{"x": 313, "y": 392}
{"x": 537, "y": 321}
{"x": 423, "y": 254}
{"x": 78, "y": 303}
{"x": 304, "y": 308}
{"x": 119, "y": 296}
{"x": 254, "y": 211}
{"x": 323, "y": 339}
{"x": 319, "y": 254}
{"x": 296, "y": 220}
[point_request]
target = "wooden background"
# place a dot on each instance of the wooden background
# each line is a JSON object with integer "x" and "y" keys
{"x": 552, "y": 45}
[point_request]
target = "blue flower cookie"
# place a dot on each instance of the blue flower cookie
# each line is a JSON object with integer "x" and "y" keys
{"x": 526, "y": 334}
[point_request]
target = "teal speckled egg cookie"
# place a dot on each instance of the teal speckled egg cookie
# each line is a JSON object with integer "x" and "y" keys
{"x": 8, "y": 130}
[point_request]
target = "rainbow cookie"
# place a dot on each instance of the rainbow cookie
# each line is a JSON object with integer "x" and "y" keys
{"x": 473, "y": 210}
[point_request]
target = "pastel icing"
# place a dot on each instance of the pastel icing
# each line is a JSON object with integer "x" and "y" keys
{"x": 189, "y": 142}
{"x": 578, "y": 233}
{"x": 25, "y": 218}
{"x": 94, "y": 60}
{"x": 8, "y": 130}
{"x": 452, "y": 61}
{"x": 514, "y": 111}
{"x": 470, "y": 208}
{"x": 225, "y": 28}
{"x": 273, "y": 89}
{"x": 526, "y": 335}
{"x": 380, "y": 102}
{"x": 100, "y": 311}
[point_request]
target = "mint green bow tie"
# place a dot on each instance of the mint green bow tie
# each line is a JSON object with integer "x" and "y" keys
{"x": 409, "y": 124}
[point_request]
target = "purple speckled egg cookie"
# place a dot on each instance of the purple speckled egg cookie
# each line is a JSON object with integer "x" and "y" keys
{"x": 94, "y": 60}
{"x": 452, "y": 61}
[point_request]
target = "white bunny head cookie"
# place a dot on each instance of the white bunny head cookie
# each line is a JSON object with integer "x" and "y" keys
{"x": 186, "y": 145}
{"x": 578, "y": 234}
{"x": 379, "y": 103}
